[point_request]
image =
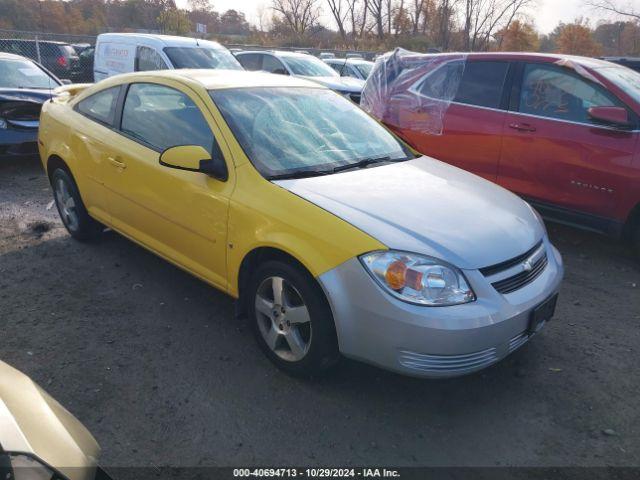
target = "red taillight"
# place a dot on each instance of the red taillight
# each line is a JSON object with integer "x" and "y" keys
{"x": 62, "y": 61}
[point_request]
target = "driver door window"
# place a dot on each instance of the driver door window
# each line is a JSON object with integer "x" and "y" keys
{"x": 552, "y": 92}
{"x": 148, "y": 59}
{"x": 273, "y": 65}
{"x": 161, "y": 117}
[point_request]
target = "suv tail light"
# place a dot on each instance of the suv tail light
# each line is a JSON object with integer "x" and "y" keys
{"x": 61, "y": 61}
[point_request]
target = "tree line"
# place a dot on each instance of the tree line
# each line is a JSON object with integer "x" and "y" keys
{"x": 443, "y": 25}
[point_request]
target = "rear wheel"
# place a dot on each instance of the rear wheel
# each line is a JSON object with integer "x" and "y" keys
{"x": 71, "y": 209}
{"x": 291, "y": 319}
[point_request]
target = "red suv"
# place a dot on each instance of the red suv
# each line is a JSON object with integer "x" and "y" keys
{"x": 560, "y": 131}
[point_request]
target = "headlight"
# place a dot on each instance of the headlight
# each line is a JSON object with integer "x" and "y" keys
{"x": 418, "y": 279}
{"x": 3, "y": 123}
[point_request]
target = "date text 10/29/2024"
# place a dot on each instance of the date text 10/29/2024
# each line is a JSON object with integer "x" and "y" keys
{"x": 316, "y": 473}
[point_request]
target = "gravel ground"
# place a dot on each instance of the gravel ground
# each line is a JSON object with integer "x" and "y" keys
{"x": 154, "y": 363}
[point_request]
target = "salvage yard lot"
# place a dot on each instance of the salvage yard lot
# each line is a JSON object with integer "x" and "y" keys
{"x": 157, "y": 367}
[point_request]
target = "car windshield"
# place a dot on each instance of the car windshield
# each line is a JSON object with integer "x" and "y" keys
{"x": 201, "y": 57}
{"x": 305, "y": 131}
{"x": 364, "y": 68}
{"x": 625, "y": 78}
{"x": 308, "y": 66}
{"x": 24, "y": 74}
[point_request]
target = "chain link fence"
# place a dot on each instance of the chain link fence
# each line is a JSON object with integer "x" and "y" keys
{"x": 70, "y": 57}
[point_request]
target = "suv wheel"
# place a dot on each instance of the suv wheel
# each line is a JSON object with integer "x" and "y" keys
{"x": 291, "y": 319}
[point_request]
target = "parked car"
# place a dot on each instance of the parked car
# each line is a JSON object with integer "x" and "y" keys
{"x": 631, "y": 62}
{"x": 333, "y": 236}
{"x": 57, "y": 57}
{"x": 24, "y": 87}
{"x": 301, "y": 65}
{"x": 560, "y": 131}
{"x": 139, "y": 52}
{"x": 324, "y": 55}
{"x": 351, "y": 67}
{"x": 83, "y": 70}
{"x": 39, "y": 438}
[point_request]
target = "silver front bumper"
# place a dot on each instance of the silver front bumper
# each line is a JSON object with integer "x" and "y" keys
{"x": 377, "y": 328}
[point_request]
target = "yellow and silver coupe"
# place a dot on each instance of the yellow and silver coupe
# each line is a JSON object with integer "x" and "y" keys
{"x": 333, "y": 234}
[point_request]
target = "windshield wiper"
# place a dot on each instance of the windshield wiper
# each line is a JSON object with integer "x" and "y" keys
{"x": 362, "y": 163}
{"x": 299, "y": 174}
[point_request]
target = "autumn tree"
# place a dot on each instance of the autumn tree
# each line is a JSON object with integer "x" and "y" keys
{"x": 518, "y": 37}
{"x": 174, "y": 21}
{"x": 576, "y": 39}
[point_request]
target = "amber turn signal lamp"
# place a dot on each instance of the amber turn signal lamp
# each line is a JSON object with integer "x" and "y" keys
{"x": 395, "y": 276}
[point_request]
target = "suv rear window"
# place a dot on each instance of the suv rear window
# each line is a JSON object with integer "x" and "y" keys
{"x": 482, "y": 83}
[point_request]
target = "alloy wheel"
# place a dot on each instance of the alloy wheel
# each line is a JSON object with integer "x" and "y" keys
{"x": 66, "y": 204}
{"x": 283, "y": 319}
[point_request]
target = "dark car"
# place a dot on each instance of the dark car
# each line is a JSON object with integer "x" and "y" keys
{"x": 82, "y": 71}
{"x": 57, "y": 57}
{"x": 24, "y": 87}
{"x": 631, "y": 62}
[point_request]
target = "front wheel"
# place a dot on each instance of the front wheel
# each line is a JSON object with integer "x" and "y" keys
{"x": 72, "y": 211}
{"x": 291, "y": 319}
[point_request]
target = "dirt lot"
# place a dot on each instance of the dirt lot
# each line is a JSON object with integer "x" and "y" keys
{"x": 154, "y": 363}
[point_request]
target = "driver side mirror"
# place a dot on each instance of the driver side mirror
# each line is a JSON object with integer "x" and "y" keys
{"x": 616, "y": 116}
{"x": 194, "y": 158}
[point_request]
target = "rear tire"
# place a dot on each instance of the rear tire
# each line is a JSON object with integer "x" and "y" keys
{"x": 72, "y": 211}
{"x": 291, "y": 319}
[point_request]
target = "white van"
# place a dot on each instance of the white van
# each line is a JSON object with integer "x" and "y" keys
{"x": 137, "y": 52}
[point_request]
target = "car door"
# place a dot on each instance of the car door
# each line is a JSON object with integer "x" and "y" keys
{"x": 467, "y": 130}
{"x": 92, "y": 134}
{"x": 179, "y": 214}
{"x": 555, "y": 154}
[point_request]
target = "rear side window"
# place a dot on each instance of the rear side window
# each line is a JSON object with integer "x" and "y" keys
{"x": 482, "y": 84}
{"x": 250, "y": 61}
{"x": 100, "y": 106}
{"x": 550, "y": 91}
{"x": 148, "y": 59}
{"x": 161, "y": 117}
{"x": 443, "y": 82}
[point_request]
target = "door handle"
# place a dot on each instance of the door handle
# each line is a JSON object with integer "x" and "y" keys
{"x": 117, "y": 163}
{"x": 522, "y": 127}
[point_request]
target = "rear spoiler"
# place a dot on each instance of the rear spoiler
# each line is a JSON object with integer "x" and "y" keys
{"x": 71, "y": 90}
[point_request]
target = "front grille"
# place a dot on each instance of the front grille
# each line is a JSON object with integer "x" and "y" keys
{"x": 499, "y": 267}
{"x": 523, "y": 278}
{"x": 448, "y": 364}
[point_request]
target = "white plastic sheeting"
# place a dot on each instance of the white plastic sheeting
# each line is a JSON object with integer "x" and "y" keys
{"x": 413, "y": 90}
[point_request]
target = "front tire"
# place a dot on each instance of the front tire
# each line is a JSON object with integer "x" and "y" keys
{"x": 72, "y": 211}
{"x": 291, "y": 319}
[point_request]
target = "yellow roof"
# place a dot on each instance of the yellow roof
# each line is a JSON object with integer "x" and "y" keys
{"x": 213, "y": 79}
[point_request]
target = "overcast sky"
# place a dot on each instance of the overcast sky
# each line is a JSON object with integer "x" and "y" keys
{"x": 546, "y": 15}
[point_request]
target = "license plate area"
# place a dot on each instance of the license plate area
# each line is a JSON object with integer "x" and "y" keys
{"x": 542, "y": 313}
